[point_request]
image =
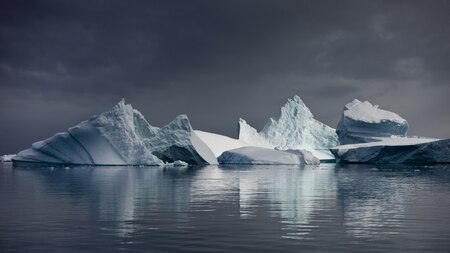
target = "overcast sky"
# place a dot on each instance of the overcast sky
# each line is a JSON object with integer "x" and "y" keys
{"x": 63, "y": 61}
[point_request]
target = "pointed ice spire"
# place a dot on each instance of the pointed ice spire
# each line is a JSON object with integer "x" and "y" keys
{"x": 296, "y": 128}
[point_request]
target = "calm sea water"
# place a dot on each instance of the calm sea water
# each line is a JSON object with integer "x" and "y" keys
{"x": 331, "y": 208}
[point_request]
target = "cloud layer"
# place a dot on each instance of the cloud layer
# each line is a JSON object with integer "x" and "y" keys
{"x": 62, "y": 61}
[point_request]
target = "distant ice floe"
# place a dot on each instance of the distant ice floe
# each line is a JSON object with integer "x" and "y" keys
{"x": 258, "y": 155}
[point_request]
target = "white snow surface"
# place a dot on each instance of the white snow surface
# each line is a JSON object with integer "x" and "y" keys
{"x": 363, "y": 122}
{"x": 395, "y": 150}
{"x": 7, "y": 157}
{"x": 258, "y": 155}
{"x": 121, "y": 136}
{"x": 365, "y": 111}
{"x": 219, "y": 143}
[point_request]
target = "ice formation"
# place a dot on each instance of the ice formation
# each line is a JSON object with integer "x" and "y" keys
{"x": 177, "y": 163}
{"x": 295, "y": 129}
{"x": 121, "y": 136}
{"x": 6, "y": 158}
{"x": 258, "y": 155}
{"x": 395, "y": 150}
{"x": 219, "y": 143}
{"x": 364, "y": 122}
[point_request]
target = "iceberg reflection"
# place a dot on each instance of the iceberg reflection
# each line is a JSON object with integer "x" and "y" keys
{"x": 293, "y": 202}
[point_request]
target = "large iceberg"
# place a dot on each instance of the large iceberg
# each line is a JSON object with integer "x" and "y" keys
{"x": 295, "y": 129}
{"x": 364, "y": 122}
{"x": 258, "y": 155}
{"x": 395, "y": 150}
{"x": 371, "y": 135}
{"x": 121, "y": 136}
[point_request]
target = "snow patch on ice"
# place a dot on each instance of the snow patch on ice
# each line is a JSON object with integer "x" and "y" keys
{"x": 365, "y": 111}
{"x": 364, "y": 122}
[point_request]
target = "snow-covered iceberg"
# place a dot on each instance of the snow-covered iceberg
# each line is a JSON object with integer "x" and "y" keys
{"x": 295, "y": 129}
{"x": 364, "y": 122}
{"x": 371, "y": 135}
{"x": 258, "y": 155}
{"x": 121, "y": 136}
{"x": 395, "y": 150}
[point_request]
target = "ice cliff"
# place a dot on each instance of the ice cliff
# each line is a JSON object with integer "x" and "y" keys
{"x": 395, "y": 150}
{"x": 364, "y": 122}
{"x": 295, "y": 129}
{"x": 121, "y": 136}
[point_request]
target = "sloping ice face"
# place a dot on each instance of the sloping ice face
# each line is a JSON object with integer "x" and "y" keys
{"x": 295, "y": 129}
{"x": 121, "y": 136}
{"x": 176, "y": 141}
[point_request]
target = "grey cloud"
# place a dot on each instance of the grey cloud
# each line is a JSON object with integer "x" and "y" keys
{"x": 62, "y": 61}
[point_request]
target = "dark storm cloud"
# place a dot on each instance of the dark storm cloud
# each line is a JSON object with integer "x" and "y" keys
{"x": 62, "y": 61}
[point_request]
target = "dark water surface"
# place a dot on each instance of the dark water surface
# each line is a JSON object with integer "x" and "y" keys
{"x": 327, "y": 208}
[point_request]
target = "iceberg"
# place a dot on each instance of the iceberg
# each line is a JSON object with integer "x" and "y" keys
{"x": 372, "y": 135}
{"x": 258, "y": 155}
{"x": 364, "y": 122}
{"x": 121, "y": 136}
{"x": 296, "y": 129}
{"x": 395, "y": 150}
{"x": 6, "y": 158}
{"x": 177, "y": 164}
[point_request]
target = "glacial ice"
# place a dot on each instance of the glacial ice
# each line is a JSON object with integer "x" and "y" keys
{"x": 295, "y": 129}
{"x": 219, "y": 143}
{"x": 372, "y": 135}
{"x": 395, "y": 150}
{"x": 177, "y": 163}
{"x": 364, "y": 122}
{"x": 121, "y": 136}
{"x": 259, "y": 155}
{"x": 6, "y": 158}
